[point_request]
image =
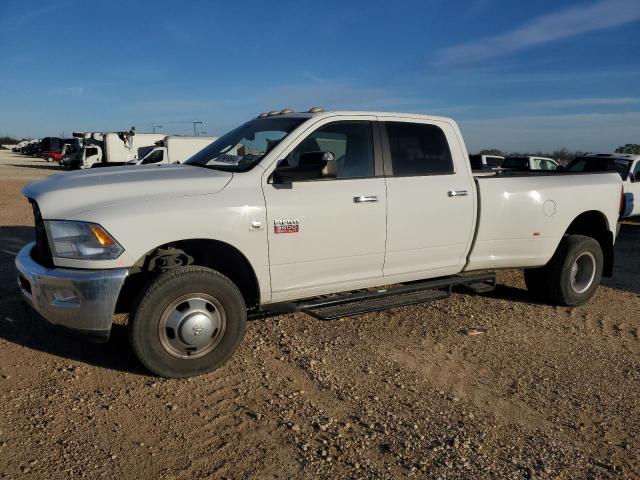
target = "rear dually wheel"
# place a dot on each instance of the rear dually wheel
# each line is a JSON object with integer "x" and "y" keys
{"x": 573, "y": 274}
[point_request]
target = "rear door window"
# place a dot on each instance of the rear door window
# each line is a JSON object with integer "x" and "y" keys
{"x": 418, "y": 149}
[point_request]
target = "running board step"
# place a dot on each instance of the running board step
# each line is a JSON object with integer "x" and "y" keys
{"x": 375, "y": 304}
{"x": 485, "y": 286}
{"x": 411, "y": 293}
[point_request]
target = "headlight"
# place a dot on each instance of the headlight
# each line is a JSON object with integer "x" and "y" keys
{"x": 81, "y": 241}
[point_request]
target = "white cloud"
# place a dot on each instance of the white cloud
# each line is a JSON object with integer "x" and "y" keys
{"x": 547, "y": 28}
{"x": 13, "y": 21}
{"x": 476, "y": 7}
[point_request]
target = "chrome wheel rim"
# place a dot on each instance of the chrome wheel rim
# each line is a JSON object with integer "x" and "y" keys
{"x": 583, "y": 272}
{"x": 192, "y": 325}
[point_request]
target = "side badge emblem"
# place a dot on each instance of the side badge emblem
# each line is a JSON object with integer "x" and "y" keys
{"x": 286, "y": 226}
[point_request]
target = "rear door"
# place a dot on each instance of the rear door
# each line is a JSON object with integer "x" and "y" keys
{"x": 430, "y": 200}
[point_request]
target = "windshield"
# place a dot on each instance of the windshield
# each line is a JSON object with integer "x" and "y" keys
{"x": 242, "y": 148}
{"x": 601, "y": 164}
{"x": 155, "y": 156}
{"x": 88, "y": 152}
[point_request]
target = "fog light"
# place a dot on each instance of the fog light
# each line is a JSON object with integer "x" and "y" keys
{"x": 64, "y": 296}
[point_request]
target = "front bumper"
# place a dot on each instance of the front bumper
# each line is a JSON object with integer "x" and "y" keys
{"x": 82, "y": 300}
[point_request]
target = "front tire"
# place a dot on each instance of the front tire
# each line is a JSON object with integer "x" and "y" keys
{"x": 187, "y": 322}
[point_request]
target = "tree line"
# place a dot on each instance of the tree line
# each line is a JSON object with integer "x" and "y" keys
{"x": 9, "y": 140}
{"x": 563, "y": 155}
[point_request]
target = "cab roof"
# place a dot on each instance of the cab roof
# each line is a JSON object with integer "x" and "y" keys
{"x": 355, "y": 113}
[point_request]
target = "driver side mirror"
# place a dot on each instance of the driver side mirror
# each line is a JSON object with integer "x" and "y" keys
{"x": 311, "y": 166}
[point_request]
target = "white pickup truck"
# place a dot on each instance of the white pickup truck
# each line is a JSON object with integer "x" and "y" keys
{"x": 529, "y": 163}
{"x": 485, "y": 162}
{"x": 287, "y": 211}
{"x": 627, "y": 165}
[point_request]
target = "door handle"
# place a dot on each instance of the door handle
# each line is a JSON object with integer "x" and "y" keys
{"x": 457, "y": 193}
{"x": 365, "y": 199}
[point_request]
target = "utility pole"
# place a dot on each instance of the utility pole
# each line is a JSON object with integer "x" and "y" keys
{"x": 155, "y": 126}
{"x": 195, "y": 131}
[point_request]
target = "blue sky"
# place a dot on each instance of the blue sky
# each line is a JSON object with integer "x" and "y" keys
{"x": 516, "y": 75}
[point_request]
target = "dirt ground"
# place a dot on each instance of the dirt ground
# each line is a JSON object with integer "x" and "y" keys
{"x": 473, "y": 387}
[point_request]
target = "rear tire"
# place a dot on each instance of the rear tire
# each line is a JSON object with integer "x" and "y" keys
{"x": 187, "y": 322}
{"x": 573, "y": 274}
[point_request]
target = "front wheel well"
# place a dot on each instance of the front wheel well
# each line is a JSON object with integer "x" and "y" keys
{"x": 595, "y": 225}
{"x": 214, "y": 254}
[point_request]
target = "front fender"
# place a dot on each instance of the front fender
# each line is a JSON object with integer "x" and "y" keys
{"x": 227, "y": 217}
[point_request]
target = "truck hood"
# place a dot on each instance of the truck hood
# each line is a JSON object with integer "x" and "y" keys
{"x": 67, "y": 194}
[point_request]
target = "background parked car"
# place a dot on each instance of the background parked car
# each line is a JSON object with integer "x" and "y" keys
{"x": 485, "y": 162}
{"x": 529, "y": 163}
{"x": 52, "y": 147}
{"x": 32, "y": 148}
{"x": 627, "y": 165}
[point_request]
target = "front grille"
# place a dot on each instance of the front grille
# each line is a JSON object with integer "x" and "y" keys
{"x": 42, "y": 252}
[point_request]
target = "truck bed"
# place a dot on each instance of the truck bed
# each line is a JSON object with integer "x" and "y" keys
{"x": 522, "y": 216}
{"x": 527, "y": 173}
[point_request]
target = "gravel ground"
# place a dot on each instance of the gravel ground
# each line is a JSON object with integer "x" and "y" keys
{"x": 492, "y": 386}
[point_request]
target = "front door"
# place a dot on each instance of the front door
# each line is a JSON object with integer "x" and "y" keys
{"x": 328, "y": 235}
